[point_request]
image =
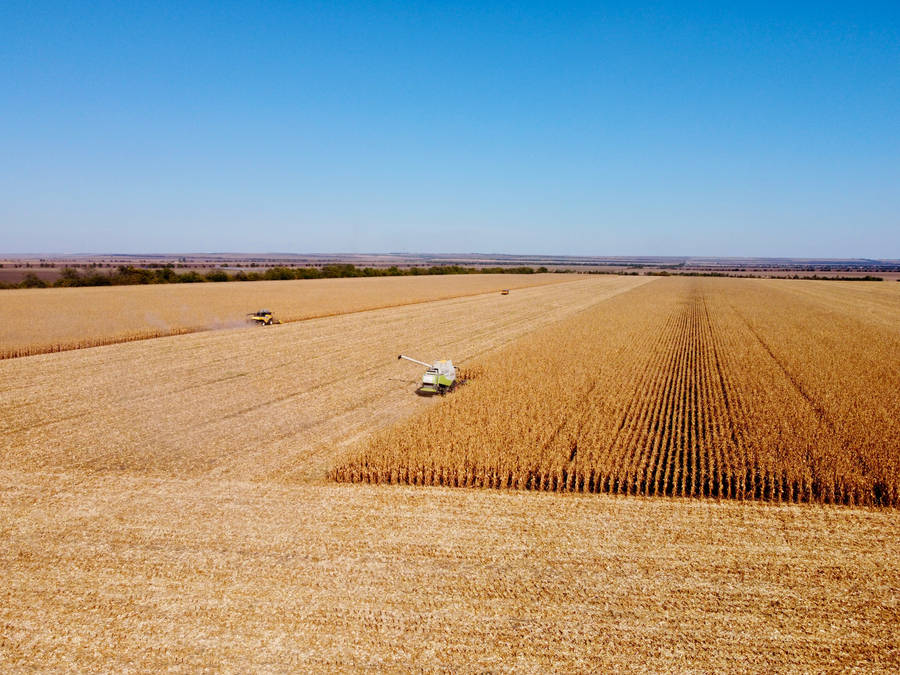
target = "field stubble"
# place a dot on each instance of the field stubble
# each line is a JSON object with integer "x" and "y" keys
{"x": 111, "y": 573}
{"x": 258, "y": 402}
{"x": 41, "y": 321}
{"x": 146, "y": 522}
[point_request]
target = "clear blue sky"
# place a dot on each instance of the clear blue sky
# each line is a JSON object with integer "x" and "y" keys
{"x": 568, "y": 128}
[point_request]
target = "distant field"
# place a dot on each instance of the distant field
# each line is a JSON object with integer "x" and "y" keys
{"x": 724, "y": 388}
{"x": 17, "y": 274}
{"x": 37, "y": 321}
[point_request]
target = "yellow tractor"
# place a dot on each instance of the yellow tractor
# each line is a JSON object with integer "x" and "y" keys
{"x": 262, "y": 318}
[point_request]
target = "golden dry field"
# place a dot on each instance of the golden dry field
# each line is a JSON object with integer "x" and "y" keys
{"x": 721, "y": 388}
{"x": 39, "y": 321}
{"x": 119, "y": 573}
{"x": 254, "y": 402}
{"x": 163, "y": 503}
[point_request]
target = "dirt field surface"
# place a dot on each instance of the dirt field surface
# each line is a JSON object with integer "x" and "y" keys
{"x": 162, "y": 506}
{"x": 108, "y": 573}
{"x": 37, "y": 321}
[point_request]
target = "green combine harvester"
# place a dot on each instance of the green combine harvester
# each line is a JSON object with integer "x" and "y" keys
{"x": 438, "y": 379}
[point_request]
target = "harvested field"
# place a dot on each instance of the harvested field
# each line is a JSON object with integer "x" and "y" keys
{"x": 40, "y": 321}
{"x": 255, "y": 402}
{"x": 162, "y": 503}
{"x": 723, "y": 388}
{"x": 115, "y": 573}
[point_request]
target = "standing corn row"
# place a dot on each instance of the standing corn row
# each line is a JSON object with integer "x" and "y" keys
{"x": 687, "y": 388}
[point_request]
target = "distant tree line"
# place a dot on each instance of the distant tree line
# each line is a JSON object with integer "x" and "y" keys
{"x": 812, "y": 277}
{"x": 816, "y": 277}
{"x": 666, "y": 273}
{"x": 126, "y": 275}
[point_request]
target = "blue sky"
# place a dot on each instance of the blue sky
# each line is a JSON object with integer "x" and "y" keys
{"x": 666, "y": 128}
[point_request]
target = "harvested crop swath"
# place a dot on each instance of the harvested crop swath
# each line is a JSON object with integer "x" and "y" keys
{"x": 689, "y": 387}
{"x": 256, "y": 402}
{"x": 43, "y": 321}
{"x": 104, "y": 573}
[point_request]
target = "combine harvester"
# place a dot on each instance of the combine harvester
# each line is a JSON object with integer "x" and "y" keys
{"x": 438, "y": 379}
{"x": 263, "y": 317}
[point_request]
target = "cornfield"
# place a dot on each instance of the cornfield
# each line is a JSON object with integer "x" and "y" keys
{"x": 258, "y": 401}
{"x": 717, "y": 388}
{"x": 163, "y": 503}
{"x": 43, "y": 321}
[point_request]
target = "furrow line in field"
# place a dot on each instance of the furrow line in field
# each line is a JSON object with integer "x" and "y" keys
{"x": 689, "y": 405}
{"x": 725, "y": 433}
{"x": 711, "y": 412}
{"x": 658, "y": 375}
{"x": 705, "y": 447}
{"x": 736, "y": 418}
{"x": 813, "y": 403}
{"x": 658, "y": 437}
{"x": 699, "y": 448}
{"x": 661, "y": 371}
{"x": 624, "y": 429}
{"x": 682, "y": 418}
{"x": 681, "y": 411}
{"x": 656, "y": 431}
{"x": 637, "y": 426}
{"x": 603, "y": 433}
{"x": 837, "y": 491}
{"x": 669, "y": 416}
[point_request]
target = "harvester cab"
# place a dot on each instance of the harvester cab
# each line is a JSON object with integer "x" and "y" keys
{"x": 439, "y": 378}
{"x": 263, "y": 317}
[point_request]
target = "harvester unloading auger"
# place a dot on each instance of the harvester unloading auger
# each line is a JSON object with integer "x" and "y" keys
{"x": 438, "y": 379}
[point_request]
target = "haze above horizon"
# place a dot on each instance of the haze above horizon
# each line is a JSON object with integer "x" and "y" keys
{"x": 532, "y": 128}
